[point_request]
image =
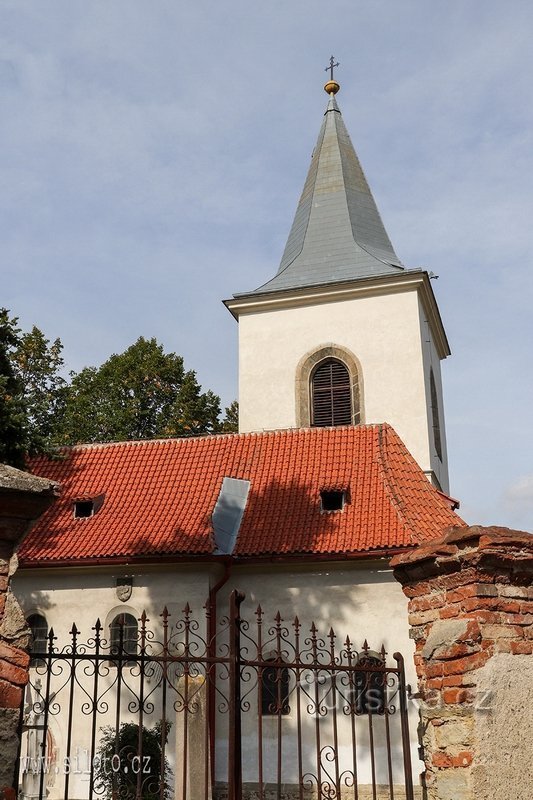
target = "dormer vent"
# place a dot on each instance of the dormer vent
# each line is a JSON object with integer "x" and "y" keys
{"x": 83, "y": 508}
{"x": 332, "y": 499}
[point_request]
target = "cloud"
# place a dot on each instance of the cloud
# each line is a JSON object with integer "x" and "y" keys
{"x": 151, "y": 166}
{"x": 521, "y": 492}
{"x": 516, "y": 503}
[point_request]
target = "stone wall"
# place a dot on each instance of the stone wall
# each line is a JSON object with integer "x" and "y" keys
{"x": 23, "y": 498}
{"x": 471, "y": 616}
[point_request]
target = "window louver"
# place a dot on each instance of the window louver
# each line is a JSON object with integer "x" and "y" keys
{"x": 331, "y": 394}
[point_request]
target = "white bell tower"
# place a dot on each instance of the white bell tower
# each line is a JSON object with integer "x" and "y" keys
{"x": 343, "y": 334}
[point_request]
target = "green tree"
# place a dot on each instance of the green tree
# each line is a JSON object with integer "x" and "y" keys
{"x": 37, "y": 363}
{"x": 230, "y": 423}
{"x": 142, "y": 393}
{"x": 120, "y": 766}
{"x": 31, "y": 391}
{"x": 13, "y": 428}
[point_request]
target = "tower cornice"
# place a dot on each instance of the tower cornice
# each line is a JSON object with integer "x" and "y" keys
{"x": 336, "y": 291}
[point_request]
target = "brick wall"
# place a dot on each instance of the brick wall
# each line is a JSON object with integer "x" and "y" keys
{"x": 23, "y": 498}
{"x": 471, "y": 615}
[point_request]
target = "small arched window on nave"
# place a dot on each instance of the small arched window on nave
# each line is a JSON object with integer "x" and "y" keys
{"x": 274, "y": 686}
{"x": 124, "y": 637}
{"x": 331, "y": 394}
{"x": 39, "y": 632}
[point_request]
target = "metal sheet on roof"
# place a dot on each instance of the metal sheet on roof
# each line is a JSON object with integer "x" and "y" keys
{"x": 228, "y": 513}
{"x": 337, "y": 233}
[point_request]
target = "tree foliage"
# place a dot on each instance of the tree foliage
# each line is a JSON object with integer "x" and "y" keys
{"x": 230, "y": 423}
{"x": 142, "y": 393}
{"x": 32, "y": 392}
{"x": 122, "y": 763}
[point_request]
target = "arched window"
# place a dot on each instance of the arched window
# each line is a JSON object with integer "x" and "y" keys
{"x": 370, "y": 685}
{"x": 39, "y": 632}
{"x": 331, "y": 394}
{"x": 336, "y": 366}
{"x": 123, "y": 638}
{"x": 435, "y": 414}
{"x": 274, "y": 690}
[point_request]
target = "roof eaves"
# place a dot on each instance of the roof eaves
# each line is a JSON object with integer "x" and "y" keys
{"x": 215, "y": 558}
{"x": 431, "y": 308}
{"x": 382, "y": 283}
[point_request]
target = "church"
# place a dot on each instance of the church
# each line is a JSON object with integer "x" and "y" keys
{"x": 340, "y": 463}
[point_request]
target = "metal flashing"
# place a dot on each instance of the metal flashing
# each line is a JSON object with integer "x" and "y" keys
{"x": 228, "y": 513}
{"x": 337, "y": 233}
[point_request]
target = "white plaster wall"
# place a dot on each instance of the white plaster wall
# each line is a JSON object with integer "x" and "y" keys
{"x": 431, "y": 360}
{"x": 359, "y": 600}
{"x": 356, "y": 600}
{"x": 82, "y": 596}
{"x": 383, "y": 332}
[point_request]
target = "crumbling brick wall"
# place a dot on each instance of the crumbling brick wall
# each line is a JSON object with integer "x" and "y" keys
{"x": 471, "y": 616}
{"x": 23, "y": 498}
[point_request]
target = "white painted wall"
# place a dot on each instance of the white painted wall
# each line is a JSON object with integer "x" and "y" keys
{"x": 358, "y": 599}
{"x": 81, "y": 596}
{"x": 432, "y": 361}
{"x": 362, "y": 601}
{"x": 383, "y": 332}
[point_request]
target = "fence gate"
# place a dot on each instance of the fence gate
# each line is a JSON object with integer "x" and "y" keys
{"x": 201, "y": 709}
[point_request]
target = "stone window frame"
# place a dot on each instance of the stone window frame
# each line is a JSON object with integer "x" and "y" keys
{"x": 304, "y": 372}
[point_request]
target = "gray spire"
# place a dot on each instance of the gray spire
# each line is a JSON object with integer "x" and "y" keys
{"x": 337, "y": 233}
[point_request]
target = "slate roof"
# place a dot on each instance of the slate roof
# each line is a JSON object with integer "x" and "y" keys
{"x": 337, "y": 233}
{"x": 158, "y": 496}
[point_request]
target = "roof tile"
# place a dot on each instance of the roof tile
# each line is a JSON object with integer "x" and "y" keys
{"x": 160, "y": 495}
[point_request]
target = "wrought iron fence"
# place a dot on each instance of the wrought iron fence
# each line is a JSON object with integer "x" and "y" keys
{"x": 195, "y": 709}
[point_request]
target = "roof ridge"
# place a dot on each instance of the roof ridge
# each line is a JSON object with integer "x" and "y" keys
{"x": 402, "y": 507}
{"x": 210, "y": 436}
{"x": 133, "y": 442}
{"x": 388, "y": 480}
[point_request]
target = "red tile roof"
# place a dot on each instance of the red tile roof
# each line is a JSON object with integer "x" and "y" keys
{"x": 159, "y": 496}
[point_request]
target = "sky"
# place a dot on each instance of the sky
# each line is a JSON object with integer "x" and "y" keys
{"x": 152, "y": 155}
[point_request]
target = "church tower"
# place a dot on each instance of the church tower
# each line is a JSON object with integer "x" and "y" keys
{"x": 343, "y": 334}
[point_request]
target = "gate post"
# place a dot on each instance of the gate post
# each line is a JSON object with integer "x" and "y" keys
{"x": 471, "y": 616}
{"x": 23, "y": 498}
{"x": 235, "y": 742}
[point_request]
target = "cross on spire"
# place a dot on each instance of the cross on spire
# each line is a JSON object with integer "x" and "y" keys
{"x": 331, "y": 67}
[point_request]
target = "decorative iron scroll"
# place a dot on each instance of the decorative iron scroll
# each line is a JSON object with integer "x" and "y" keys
{"x": 192, "y": 704}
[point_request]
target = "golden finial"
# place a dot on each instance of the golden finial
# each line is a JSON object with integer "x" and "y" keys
{"x": 331, "y": 87}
